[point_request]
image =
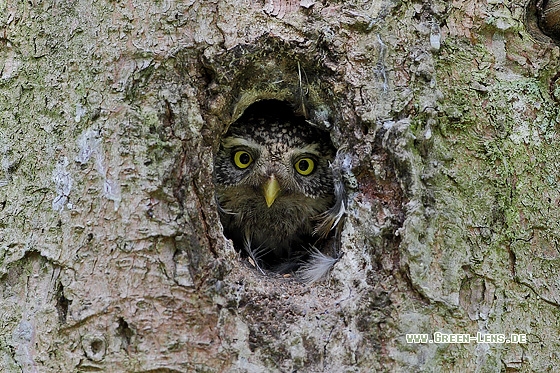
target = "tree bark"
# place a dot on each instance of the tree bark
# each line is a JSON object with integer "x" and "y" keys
{"x": 112, "y": 255}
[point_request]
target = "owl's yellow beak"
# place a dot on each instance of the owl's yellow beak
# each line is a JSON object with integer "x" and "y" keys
{"x": 271, "y": 189}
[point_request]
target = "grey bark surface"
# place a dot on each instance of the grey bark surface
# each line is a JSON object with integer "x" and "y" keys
{"x": 112, "y": 256}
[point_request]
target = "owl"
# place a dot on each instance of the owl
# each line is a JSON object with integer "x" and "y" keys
{"x": 278, "y": 196}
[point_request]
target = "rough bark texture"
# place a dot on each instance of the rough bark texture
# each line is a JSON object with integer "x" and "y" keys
{"x": 112, "y": 256}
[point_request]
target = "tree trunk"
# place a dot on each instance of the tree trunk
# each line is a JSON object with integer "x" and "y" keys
{"x": 112, "y": 255}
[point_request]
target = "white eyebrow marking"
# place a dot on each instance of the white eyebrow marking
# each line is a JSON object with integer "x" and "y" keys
{"x": 308, "y": 149}
{"x": 231, "y": 142}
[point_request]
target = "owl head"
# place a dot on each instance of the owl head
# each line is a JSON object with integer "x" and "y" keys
{"x": 276, "y": 155}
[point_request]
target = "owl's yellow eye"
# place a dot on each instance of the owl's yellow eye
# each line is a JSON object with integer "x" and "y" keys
{"x": 305, "y": 166}
{"x": 242, "y": 159}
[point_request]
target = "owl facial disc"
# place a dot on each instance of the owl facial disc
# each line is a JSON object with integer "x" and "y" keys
{"x": 271, "y": 189}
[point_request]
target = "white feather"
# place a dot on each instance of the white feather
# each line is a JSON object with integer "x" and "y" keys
{"x": 317, "y": 267}
{"x": 256, "y": 254}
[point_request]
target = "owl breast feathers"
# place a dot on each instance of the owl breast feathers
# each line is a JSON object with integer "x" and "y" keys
{"x": 275, "y": 187}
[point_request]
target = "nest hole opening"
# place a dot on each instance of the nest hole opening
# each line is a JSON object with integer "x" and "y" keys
{"x": 542, "y": 20}
{"x": 279, "y": 194}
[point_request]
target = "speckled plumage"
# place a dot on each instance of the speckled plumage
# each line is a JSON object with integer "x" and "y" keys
{"x": 306, "y": 207}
